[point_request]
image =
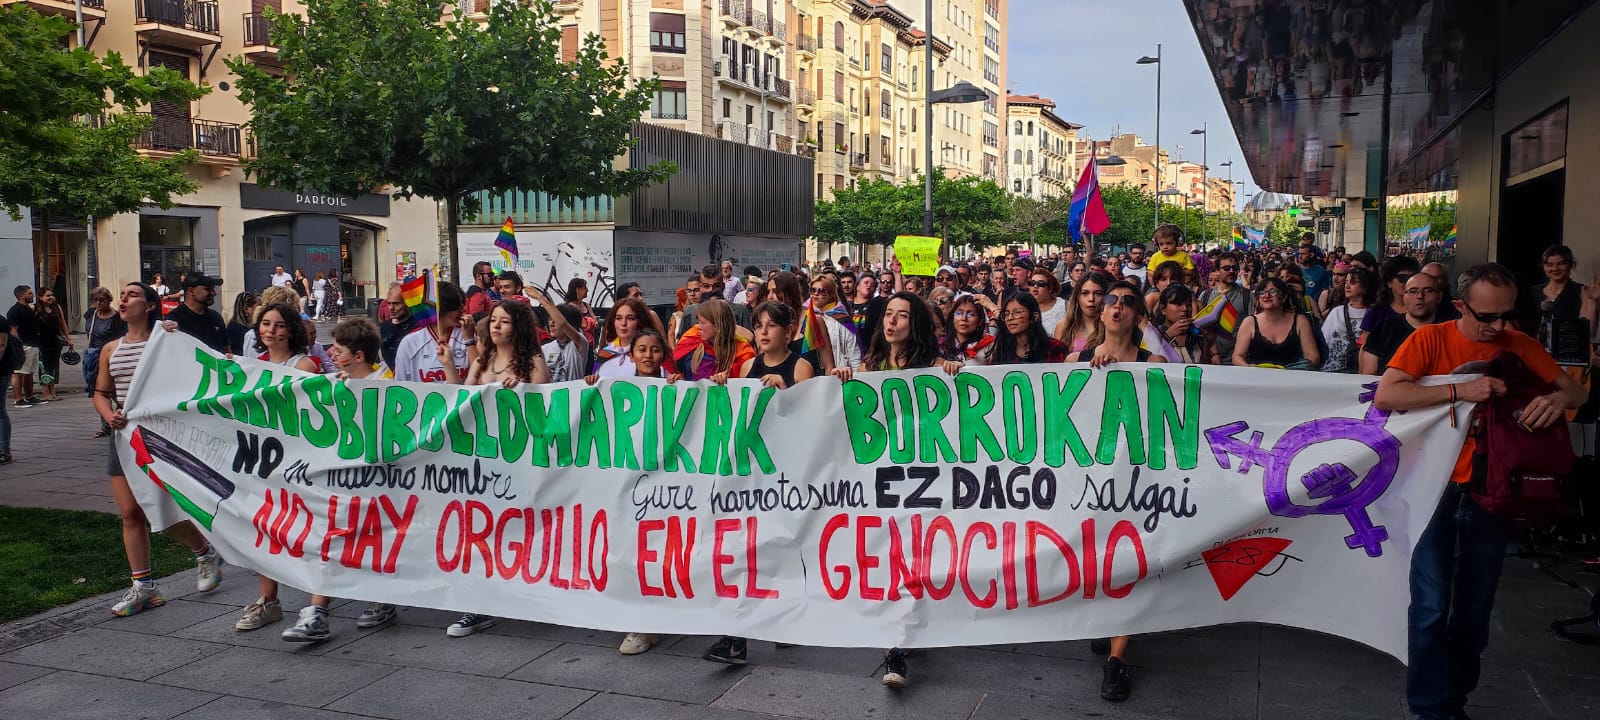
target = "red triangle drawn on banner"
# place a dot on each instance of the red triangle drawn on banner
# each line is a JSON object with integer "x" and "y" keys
{"x": 1232, "y": 565}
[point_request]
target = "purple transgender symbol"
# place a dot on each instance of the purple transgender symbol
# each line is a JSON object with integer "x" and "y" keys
{"x": 1335, "y": 485}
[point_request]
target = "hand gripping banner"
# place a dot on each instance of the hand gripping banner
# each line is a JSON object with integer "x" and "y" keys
{"x": 919, "y": 509}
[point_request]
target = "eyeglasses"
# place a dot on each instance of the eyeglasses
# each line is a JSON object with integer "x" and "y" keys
{"x": 965, "y": 315}
{"x": 1039, "y": 284}
{"x": 1488, "y": 318}
{"x": 819, "y": 291}
{"x": 1416, "y": 292}
{"x": 1272, "y": 293}
{"x": 1016, "y": 313}
{"x": 1122, "y": 299}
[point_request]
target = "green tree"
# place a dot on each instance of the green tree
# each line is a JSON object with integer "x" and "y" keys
{"x": 1035, "y": 222}
{"x": 1283, "y": 231}
{"x": 966, "y": 211}
{"x": 1438, "y": 214}
{"x": 1132, "y": 213}
{"x": 387, "y": 94}
{"x": 68, "y": 126}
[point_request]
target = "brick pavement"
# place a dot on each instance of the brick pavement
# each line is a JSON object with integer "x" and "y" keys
{"x": 185, "y": 660}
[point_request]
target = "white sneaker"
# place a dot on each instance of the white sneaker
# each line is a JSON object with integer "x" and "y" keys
{"x": 311, "y": 627}
{"x": 210, "y": 571}
{"x": 638, "y": 643}
{"x": 259, "y": 614}
{"x": 142, "y": 596}
{"x": 377, "y": 614}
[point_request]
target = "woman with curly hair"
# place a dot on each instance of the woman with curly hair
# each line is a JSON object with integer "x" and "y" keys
{"x": 512, "y": 355}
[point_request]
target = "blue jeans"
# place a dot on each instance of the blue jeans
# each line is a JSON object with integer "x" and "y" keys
{"x": 1454, "y": 573}
{"x": 91, "y": 369}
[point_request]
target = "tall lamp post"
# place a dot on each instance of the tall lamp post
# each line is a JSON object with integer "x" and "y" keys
{"x": 1205, "y": 178}
{"x": 962, "y": 92}
{"x": 91, "y": 240}
{"x": 1231, "y": 203}
{"x": 1156, "y": 61}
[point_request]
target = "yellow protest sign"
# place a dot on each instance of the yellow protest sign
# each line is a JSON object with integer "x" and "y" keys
{"x": 918, "y": 255}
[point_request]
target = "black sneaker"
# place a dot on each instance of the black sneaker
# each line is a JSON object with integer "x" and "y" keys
{"x": 23, "y": 403}
{"x": 1114, "y": 685}
{"x": 729, "y": 651}
{"x": 1100, "y": 647}
{"x": 895, "y": 672}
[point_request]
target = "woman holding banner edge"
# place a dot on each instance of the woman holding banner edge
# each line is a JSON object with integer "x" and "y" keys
{"x": 905, "y": 340}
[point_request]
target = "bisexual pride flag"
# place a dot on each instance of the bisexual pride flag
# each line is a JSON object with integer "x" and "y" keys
{"x": 506, "y": 241}
{"x": 1087, "y": 213}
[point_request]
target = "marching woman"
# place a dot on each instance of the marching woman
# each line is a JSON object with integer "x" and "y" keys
{"x": 1277, "y": 317}
{"x": 966, "y": 334}
{"x": 625, "y": 320}
{"x": 1175, "y": 321}
{"x": 1121, "y": 319}
{"x": 836, "y": 320}
{"x": 648, "y": 353}
{"x": 140, "y": 306}
{"x": 1021, "y": 337}
{"x": 905, "y": 340}
{"x": 779, "y": 367}
{"x": 1081, "y": 327}
{"x": 513, "y": 355}
{"x": 713, "y": 345}
{"x": 281, "y": 339}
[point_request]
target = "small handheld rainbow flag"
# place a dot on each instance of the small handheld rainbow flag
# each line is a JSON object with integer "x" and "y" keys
{"x": 507, "y": 242}
{"x": 813, "y": 331}
{"x": 1219, "y": 315}
{"x": 422, "y": 299}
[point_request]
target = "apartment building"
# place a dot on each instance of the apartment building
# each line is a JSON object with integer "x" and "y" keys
{"x": 1043, "y": 148}
{"x": 1127, "y": 159}
{"x": 230, "y": 227}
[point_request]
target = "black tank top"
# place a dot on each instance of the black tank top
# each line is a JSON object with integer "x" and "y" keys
{"x": 1264, "y": 351}
{"x": 785, "y": 369}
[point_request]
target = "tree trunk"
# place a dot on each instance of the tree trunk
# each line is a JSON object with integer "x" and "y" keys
{"x": 450, "y": 214}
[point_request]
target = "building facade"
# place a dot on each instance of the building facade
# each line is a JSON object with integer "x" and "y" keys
{"x": 229, "y": 227}
{"x": 1043, "y": 148}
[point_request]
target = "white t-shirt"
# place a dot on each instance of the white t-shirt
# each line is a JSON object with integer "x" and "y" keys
{"x": 282, "y": 280}
{"x": 1337, "y": 332}
{"x": 417, "y": 358}
{"x": 566, "y": 363}
{"x": 619, "y": 366}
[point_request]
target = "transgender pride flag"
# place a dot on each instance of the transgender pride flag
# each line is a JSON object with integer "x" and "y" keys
{"x": 1087, "y": 214}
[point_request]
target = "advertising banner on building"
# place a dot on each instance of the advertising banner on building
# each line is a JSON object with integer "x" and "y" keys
{"x": 662, "y": 262}
{"x": 997, "y": 505}
{"x": 547, "y": 260}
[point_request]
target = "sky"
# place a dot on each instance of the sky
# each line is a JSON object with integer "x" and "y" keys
{"x": 1082, "y": 53}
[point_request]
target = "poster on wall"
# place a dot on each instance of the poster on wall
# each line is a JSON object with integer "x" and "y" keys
{"x": 548, "y": 260}
{"x": 405, "y": 265}
{"x": 660, "y": 261}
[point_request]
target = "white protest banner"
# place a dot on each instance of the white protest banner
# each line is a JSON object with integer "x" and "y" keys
{"x": 999, "y": 505}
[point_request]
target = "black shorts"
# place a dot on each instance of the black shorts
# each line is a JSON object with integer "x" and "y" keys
{"x": 113, "y": 461}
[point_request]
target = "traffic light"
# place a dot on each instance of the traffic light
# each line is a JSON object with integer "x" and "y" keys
{"x": 1324, "y": 226}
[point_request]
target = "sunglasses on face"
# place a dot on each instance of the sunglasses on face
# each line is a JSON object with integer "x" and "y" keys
{"x": 1039, "y": 284}
{"x": 1124, "y": 300}
{"x": 1488, "y": 318}
{"x": 1270, "y": 293}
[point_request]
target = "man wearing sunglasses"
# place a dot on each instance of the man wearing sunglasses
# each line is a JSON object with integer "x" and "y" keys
{"x": 1457, "y": 562}
{"x": 481, "y": 296}
{"x": 1226, "y": 284}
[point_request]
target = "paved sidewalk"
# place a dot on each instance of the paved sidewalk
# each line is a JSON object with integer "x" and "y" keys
{"x": 185, "y": 660}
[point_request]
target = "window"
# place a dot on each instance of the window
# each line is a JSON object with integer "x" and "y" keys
{"x": 1018, "y": 130}
{"x": 1030, "y": 186}
{"x": 888, "y": 60}
{"x": 1017, "y": 156}
{"x": 991, "y": 37}
{"x": 749, "y": 114}
{"x": 838, "y": 182}
{"x": 1016, "y": 186}
{"x": 885, "y": 148}
{"x": 666, "y": 32}
{"x": 1030, "y": 127}
{"x": 838, "y": 137}
{"x": 887, "y": 110}
{"x": 671, "y": 101}
{"x": 727, "y": 107}
{"x": 569, "y": 43}
{"x": 838, "y": 87}
{"x": 991, "y": 134}
{"x": 991, "y": 102}
{"x": 838, "y": 36}
{"x": 1030, "y": 158}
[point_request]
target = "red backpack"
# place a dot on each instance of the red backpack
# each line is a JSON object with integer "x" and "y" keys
{"x": 1519, "y": 473}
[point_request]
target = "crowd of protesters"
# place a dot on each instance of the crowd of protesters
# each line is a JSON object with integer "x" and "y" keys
{"x": 1295, "y": 310}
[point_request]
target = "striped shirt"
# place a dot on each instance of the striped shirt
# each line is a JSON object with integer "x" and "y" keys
{"x": 124, "y": 360}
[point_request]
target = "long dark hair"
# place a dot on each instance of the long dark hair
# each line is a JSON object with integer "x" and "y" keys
{"x": 1391, "y": 270}
{"x": 299, "y": 340}
{"x": 952, "y": 343}
{"x": 1369, "y": 284}
{"x": 524, "y": 340}
{"x": 922, "y": 346}
{"x": 1005, "y": 343}
{"x": 1288, "y": 299}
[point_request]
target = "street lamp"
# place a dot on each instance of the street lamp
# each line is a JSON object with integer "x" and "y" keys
{"x": 962, "y": 92}
{"x": 1156, "y": 61}
{"x": 1205, "y": 190}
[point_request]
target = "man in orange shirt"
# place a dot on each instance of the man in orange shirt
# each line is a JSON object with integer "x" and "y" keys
{"x": 1456, "y": 565}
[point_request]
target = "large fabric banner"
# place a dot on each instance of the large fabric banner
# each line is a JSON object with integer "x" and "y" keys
{"x": 998, "y": 505}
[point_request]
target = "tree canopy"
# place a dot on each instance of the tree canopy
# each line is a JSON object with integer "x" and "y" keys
{"x": 68, "y": 127}
{"x": 387, "y": 94}
{"x": 966, "y": 211}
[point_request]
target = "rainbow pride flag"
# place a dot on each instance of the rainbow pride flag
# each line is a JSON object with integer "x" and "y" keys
{"x": 1450, "y": 239}
{"x": 422, "y": 299}
{"x": 506, "y": 241}
{"x": 1219, "y": 315}
{"x": 813, "y": 331}
{"x": 1238, "y": 239}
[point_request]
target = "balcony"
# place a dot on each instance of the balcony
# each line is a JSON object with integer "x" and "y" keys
{"x": 187, "y": 24}
{"x": 806, "y": 45}
{"x": 807, "y": 98}
{"x": 779, "y": 34}
{"x": 731, "y": 131}
{"x": 168, "y": 134}
{"x": 760, "y": 24}
{"x": 858, "y": 162}
{"x": 257, "y": 40}
{"x": 92, "y": 9}
{"x": 568, "y": 7}
{"x": 736, "y": 13}
{"x": 806, "y": 151}
{"x": 781, "y": 88}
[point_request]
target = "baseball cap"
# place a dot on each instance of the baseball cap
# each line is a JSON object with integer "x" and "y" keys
{"x": 196, "y": 279}
{"x": 944, "y": 269}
